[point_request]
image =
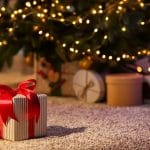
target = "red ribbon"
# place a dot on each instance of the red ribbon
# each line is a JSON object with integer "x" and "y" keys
{"x": 25, "y": 88}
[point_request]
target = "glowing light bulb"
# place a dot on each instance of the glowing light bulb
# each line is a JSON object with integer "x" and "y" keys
{"x": 106, "y": 18}
{"x": 133, "y": 57}
{"x": 56, "y": 1}
{"x": 64, "y": 45}
{"x": 110, "y": 57}
{"x": 139, "y": 69}
{"x": 87, "y": 21}
{"x": 40, "y": 32}
{"x": 76, "y": 51}
{"x": 34, "y": 2}
{"x": 123, "y": 29}
{"x": 53, "y": 15}
{"x": 74, "y": 22}
{"x": 124, "y": 56}
{"x": 100, "y": 11}
{"x": 28, "y": 4}
{"x": 80, "y": 20}
{"x": 118, "y": 59}
{"x": 52, "y": 5}
{"x": 100, "y": 6}
{"x": 59, "y": 14}
{"x": 119, "y": 7}
{"x": 71, "y": 49}
{"x": 68, "y": 7}
{"x": 96, "y": 30}
{"x": 94, "y": 11}
{"x": 98, "y": 52}
{"x": 12, "y": 16}
{"x": 0, "y": 15}
{"x": 23, "y": 16}
{"x": 62, "y": 19}
{"x": 20, "y": 11}
{"x": 148, "y": 69}
{"x": 5, "y": 42}
{"x": 10, "y": 30}
{"x": 45, "y": 10}
{"x": 88, "y": 50}
{"x": 47, "y": 34}
{"x": 103, "y": 56}
{"x": 0, "y": 43}
{"x": 105, "y": 37}
{"x": 77, "y": 42}
{"x": 142, "y": 23}
{"x": 142, "y": 4}
{"x": 3, "y": 9}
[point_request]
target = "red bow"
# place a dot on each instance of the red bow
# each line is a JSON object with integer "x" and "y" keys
{"x": 6, "y": 103}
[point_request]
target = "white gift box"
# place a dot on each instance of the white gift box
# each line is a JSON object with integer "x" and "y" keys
{"x": 18, "y": 130}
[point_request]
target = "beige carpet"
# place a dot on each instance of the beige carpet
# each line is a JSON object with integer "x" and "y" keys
{"x": 74, "y": 125}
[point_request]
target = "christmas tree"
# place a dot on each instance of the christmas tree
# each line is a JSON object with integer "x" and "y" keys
{"x": 109, "y": 32}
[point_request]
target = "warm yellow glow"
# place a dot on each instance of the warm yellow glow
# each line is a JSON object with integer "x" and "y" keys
{"x": 88, "y": 50}
{"x": 10, "y": 30}
{"x": 139, "y": 53}
{"x": 56, "y": 1}
{"x": 123, "y": 29}
{"x": 100, "y": 6}
{"x": 142, "y": 4}
{"x": 15, "y": 12}
{"x": 94, "y": 11}
{"x": 110, "y": 57}
{"x": 53, "y": 15}
{"x": 124, "y": 56}
{"x": 40, "y": 32}
{"x": 47, "y": 35}
{"x": 28, "y": 4}
{"x": 20, "y": 11}
{"x": 100, "y": 11}
{"x": 59, "y": 14}
{"x": 80, "y": 20}
{"x": 103, "y": 56}
{"x": 52, "y": 4}
{"x": 105, "y": 37}
{"x": 96, "y": 30}
{"x": 0, "y": 15}
{"x": 87, "y": 21}
{"x": 68, "y": 7}
{"x": 23, "y": 16}
{"x": 148, "y": 69}
{"x": 98, "y": 52}
{"x": 119, "y": 7}
{"x": 139, "y": 69}
{"x": 118, "y": 59}
{"x": 62, "y": 19}
{"x": 12, "y": 16}
{"x": 133, "y": 57}
{"x": 142, "y": 23}
{"x": 76, "y": 51}
{"x": 45, "y": 10}
{"x": 0, "y": 43}
{"x": 83, "y": 53}
{"x": 3, "y": 9}
{"x": 74, "y": 22}
{"x": 106, "y": 18}
{"x": 71, "y": 49}
{"x": 64, "y": 45}
{"x": 77, "y": 42}
{"x": 34, "y": 2}
{"x": 5, "y": 42}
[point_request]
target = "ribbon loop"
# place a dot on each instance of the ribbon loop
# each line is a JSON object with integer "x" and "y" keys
{"x": 25, "y": 88}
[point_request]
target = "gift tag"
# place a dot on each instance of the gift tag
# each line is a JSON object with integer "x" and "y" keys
{"x": 88, "y": 85}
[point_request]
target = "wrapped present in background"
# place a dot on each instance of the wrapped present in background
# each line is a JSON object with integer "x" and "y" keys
{"x": 26, "y": 115}
{"x": 56, "y": 79}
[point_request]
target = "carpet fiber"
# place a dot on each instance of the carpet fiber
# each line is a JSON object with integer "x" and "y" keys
{"x": 77, "y": 126}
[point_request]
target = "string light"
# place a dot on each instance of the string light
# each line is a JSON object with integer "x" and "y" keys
{"x": 103, "y": 56}
{"x": 52, "y": 5}
{"x": 94, "y": 11}
{"x": 45, "y": 10}
{"x": 87, "y": 21}
{"x": 118, "y": 59}
{"x": 76, "y": 51}
{"x": 142, "y": 4}
{"x": 64, "y": 45}
{"x": 77, "y": 42}
{"x": 53, "y": 15}
{"x": 139, "y": 69}
{"x": 123, "y": 29}
{"x": 34, "y": 2}
{"x": 148, "y": 69}
{"x": 71, "y": 49}
{"x": 80, "y": 20}
{"x": 59, "y": 14}
{"x": 3, "y": 9}
{"x": 100, "y": 11}
{"x": 28, "y": 4}
{"x": 142, "y": 23}
{"x": 47, "y": 35}
{"x": 23, "y": 16}
{"x": 96, "y": 30}
{"x": 68, "y": 7}
{"x": 0, "y": 43}
{"x": 98, "y": 52}
{"x": 105, "y": 37}
{"x": 40, "y": 32}
{"x": 110, "y": 57}
{"x": 106, "y": 18}
{"x": 88, "y": 50}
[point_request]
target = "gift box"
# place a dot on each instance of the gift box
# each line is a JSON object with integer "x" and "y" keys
{"x": 124, "y": 89}
{"x": 88, "y": 86}
{"x": 26, "y": 116}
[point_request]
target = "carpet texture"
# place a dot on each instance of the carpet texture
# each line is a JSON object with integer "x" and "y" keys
{"x": 77, "y": 126}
